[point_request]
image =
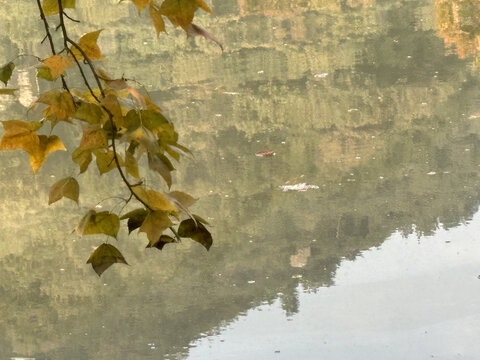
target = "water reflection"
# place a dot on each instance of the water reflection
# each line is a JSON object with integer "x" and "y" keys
{"x": 355, "y": 97}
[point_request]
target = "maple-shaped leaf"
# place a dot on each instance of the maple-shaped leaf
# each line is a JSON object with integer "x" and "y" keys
{"x": 6, "y": 72}
{"x": 157, "y": 19}
{"x": 105, "y": 256}
{"x": 57, "y": 64}
{"x": 60, "y": 105}
{"x": 67, "y": 187}
{"x": 94, "y": 137}
{"x": 155, "y": 200}
{"x": 155, "y": 223}
{"x": 106, "y": 160}
{"x": 83, "y": 158}
{"x": 181, "y": 12}
{"x": 20, "y": 135}
{"x": 164, "y": 240}
{"x": 196, "y": 231}
{"x": 99, "y": 223}
{"x": 141, "y": 4}
{"x": 47, "y": 145}
{"x": 88, "y": 43}
{"x": 50, "y": 7}
{"x": 135, "y": 219}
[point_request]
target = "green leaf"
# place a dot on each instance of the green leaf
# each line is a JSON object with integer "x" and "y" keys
{"x": 83, "y": 158}
{"x": 90, "y": 113}
{"x": 7, "y": 91}
{"x": 67, "y": 187}
{"x": 135, "y": 219}
{"x": 6, "y": 72}
{"x": 106, "y": 160}
{"x": 154, "y": 121}
{"x": 50, "y": 7}
{"x": 105, "y": 256}
{"x": 164, "y": 239}
{"x": 196, "y": 231}
{"x": 99, "y": 223}
{"x": 155, "y": 223}
{"x": 43, "y": 72}
{"x": 131, "y": 165}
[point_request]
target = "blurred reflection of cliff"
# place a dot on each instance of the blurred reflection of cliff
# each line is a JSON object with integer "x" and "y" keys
{"x": 458, "y": 23}
{"x": 384, "y": 112}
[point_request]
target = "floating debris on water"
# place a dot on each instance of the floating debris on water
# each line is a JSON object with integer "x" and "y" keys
{"x": 432, "y": 173}
{"x": 298, "y": 187}
{"x": 264, "y": 153}
{"x": 321, "y": 75}
{"x": 352, "y": 110}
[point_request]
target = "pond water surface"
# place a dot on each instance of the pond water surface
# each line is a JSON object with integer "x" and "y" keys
{"x": 374, "y": 104}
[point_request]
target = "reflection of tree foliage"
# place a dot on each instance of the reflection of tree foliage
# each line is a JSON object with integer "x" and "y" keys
{"x": 264, "y": 235}
{"x": 458, "y": 23}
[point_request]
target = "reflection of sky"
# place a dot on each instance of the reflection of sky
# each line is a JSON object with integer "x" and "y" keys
{"x": 409, "y": 299}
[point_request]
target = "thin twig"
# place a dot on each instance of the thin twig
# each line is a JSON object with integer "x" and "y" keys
{"x": 52, "y": 45}
{"x": 67, "y": 40}
{"x": 70, "y": 18}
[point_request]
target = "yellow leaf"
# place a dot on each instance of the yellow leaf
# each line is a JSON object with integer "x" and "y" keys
{"x": 20, "y": 135}
{"x": 201, "y": 4}
{"x": 157, "y": 19}
{"x": 57, "y": 64}
{"x": 67, "y": 187}
{"x": 155, "y": 200}
{"x": 50, "y": 7}
{"x": 131, "y": 165}
{"x": 99, "y": 223}
{"x": 90, "y": 112}
{"x": 88, "y": 43}
{"x": 151, "y": 105}
{"x": 155, "y": 223}
{"x": 106, "y": 161}
{"x": 111, "y": 103}
{"x": 141, "y": 4}
{"x": 60, "y": 107}
{"x": 48, "y": 144}
{"x": 179, "y": 12}
{"x": 94, "y": 137}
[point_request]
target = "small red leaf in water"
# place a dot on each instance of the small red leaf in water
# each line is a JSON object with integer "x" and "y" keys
{"x": 265, "y": 153}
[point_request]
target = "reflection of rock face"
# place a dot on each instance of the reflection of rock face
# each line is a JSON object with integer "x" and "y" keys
{"x": 458, "y": 23}
{"x": 371, "y": 167}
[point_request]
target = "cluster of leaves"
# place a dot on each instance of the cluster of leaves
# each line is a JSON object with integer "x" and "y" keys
{"x": 121, "y": 126}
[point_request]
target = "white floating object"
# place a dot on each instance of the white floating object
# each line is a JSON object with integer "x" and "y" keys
{"x": 260, "y": 72}
{"x": 298, "y": 187}
{"x": 230, "y": 93}
{"x": 432, "y": 173}
{"x": 352, "y": 110}
{"x": 251, "y": 281}
{"x": 321, "y": 75}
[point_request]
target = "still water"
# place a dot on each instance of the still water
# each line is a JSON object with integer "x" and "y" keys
{"x": 375, "y": 104}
